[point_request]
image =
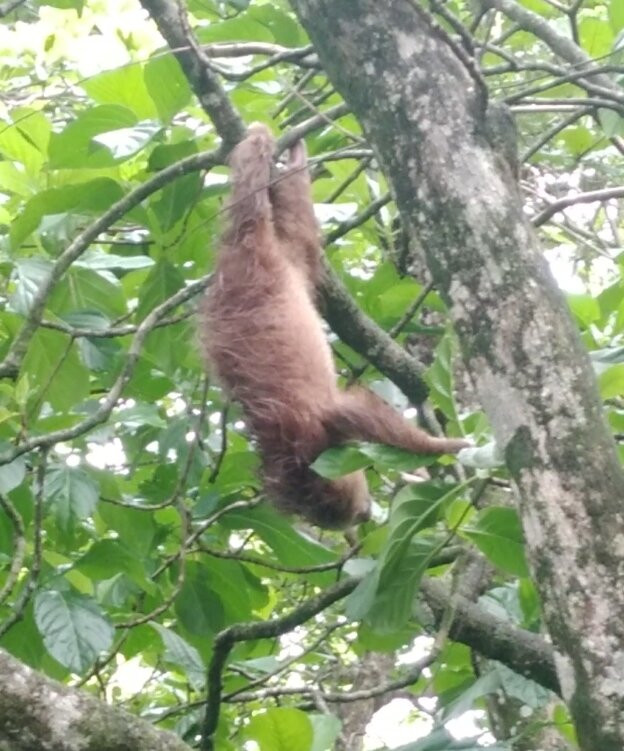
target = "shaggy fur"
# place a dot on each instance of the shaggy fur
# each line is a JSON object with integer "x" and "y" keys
{"x": 264, "y": 338}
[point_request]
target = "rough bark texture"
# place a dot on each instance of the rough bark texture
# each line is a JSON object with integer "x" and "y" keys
{"x": 39, "y": 713}
{"x": 426, "y": 115}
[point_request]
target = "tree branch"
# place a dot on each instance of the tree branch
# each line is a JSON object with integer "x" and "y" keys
{"x": 39, "y": 713}
{"x": 522, "y": 651}
{"x": 170, "y": 17}
{"x": 370, "y": 340}
{"x": 591, "y": 196}
{"x": 225, "y": 641}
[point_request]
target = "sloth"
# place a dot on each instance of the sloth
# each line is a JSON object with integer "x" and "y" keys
{"x": 264, "y": 340}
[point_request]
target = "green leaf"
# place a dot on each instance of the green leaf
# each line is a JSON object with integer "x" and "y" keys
{"x": 584, "y": 308}
{"x": 97, "y": 260}
{"x": 16, "y": 147}
{"x": 612, "y": 122}
{"x": 28, "y": 275}
{"x": 393, "y": 303}
{"x": 175, "y": 200}
{"x": 139, "y": 415}
{"x": 282, "y": 25}
{"x": 123, "y": 86}
{"x": 485, "y": 685}
{"x": 77, "y": 5}
{"x": 228, "y": 581}
{"x": 73, "y": 494}
{"x": 611, "y": 382}
{"x": 290, "y": 547}
{"x": 87, "y": 197}
{"x": 390, "y": 457}
{"x": 82, "y": 289}
{"x": 12, "y": 474}
{"x": 24, "y": 641}
{"x": 126, "y": 142}
{"x": 281, "y": 729}
{"x": 386, "y": 595}
{"x": 106, "y": 558}
{"x": 526, "y": 691}
{"x": 497, "y": 532}
{"x": 198, "y": 607}
{"x": 415, "y": 507}
{"x": 338, "y": 461}
{"x": 163, "y": 280}
{"x": 73, "y": 628}
{"x": 326, "y": 729}
{"x": 184, "y": 655}
{"x": 53, "y": 366}
{"x": 214, "y": 577}
{"x": 243, "y": 28}
{"x": 100, "y": 355}
{"x": 616, "y": 15}
{"x": 14, "y": 180}
{"x": 167, "y": 153}
{"x": 136, "y": 529}
{"x": 596, "y": 36}
{"x": 167, "y": 85}
{"x": 75, "y": 145}
{"x": 440, "y": 378}
{"x": 577, "y": 139}
{"x": 172, "y": 347}
{"x": 161, "y": 485}
{"x": 34, "y": 125}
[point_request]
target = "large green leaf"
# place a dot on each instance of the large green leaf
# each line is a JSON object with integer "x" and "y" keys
{"x": 106, "y": 558}
{"x": 611, "y": 381}
{"x": 12, "y": 474}
{"x": 87, "y": 197}
{"x": 73, "y": 628}
{"x": 290, "y": 547}
{"x": 175, "y": 200}
{"x": 125, "y": 87}
{"x": 25, "y": 642}
{"x": 616, "y": 15}
{"x": 339, "y": 460}
{"x": 127, "y": 142}
{"x": 198, "y": 606}
{"x": 28, "y": 275}
{"x": 416, "y": 507}
{"x": 497, "y": 532}
{"x": 72, "y": 493}
{"x": 82, "y": 289}
{"x": 75, "y": 145}
{"x": 281, "y": 729}
{"x": 167, "y": 85}
{"x": 17, "y": 147}
{"x": 184, "y": 655}
{"x": 53, "y": 366}
{"x": 163, "y": 280}
{"x": 440, "y": 378}
{"x": 596, "y": 35}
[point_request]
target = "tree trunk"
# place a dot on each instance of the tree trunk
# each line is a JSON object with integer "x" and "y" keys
{"x": 425, "y": 111}
{"x": 39, "y": 713}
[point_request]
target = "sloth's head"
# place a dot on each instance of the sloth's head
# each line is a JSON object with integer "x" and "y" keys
{"x": 340, "y": 503}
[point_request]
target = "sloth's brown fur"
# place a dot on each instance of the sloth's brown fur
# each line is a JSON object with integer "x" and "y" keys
{"x": 264, "y": 339}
